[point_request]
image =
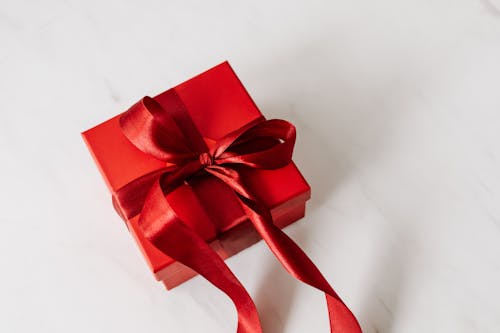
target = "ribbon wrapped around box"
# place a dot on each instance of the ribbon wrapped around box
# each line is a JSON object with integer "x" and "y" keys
{"x": 198, "y": 174}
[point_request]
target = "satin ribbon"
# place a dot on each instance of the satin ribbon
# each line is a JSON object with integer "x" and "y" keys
{"x": 168, "y": 135}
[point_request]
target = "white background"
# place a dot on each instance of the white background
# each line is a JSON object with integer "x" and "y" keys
{"x": 397, "y": 105}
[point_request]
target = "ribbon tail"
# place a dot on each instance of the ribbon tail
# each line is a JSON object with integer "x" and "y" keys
{"x": 291, "y": 256}
{"x": 298, "y": 264}
{"x": 169, "y": 234}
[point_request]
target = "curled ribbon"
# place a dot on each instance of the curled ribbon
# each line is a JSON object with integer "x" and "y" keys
{"x": 168, "y": 135}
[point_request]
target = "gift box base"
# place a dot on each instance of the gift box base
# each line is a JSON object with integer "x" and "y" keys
{"x": 229, "y": 244}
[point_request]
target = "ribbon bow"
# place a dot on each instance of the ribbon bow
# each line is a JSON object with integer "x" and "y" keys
{"x": 170, "y": 136}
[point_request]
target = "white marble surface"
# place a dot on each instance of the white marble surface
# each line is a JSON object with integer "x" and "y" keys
{"x": 397, "y": 105}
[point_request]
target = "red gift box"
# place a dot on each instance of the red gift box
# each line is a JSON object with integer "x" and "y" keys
{"x": 217, "y": 104}
{"x": 195, "y": 172}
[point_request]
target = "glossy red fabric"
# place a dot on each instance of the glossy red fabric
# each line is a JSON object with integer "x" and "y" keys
{"x": 168, "y": 136}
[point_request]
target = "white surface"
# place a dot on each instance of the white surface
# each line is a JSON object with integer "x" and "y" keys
{"x": 397, "y": 105}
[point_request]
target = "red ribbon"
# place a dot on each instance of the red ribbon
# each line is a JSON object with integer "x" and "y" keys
{"x": 169, "y": 135}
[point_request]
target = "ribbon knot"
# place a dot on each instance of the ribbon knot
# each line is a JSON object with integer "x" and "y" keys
{"x": 206, "y": 160}
{"x": 169, "y": 135}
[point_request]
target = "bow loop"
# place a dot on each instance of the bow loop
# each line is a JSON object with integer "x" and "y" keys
{"x": 154, "y": 131}
{"x": 267, "y": 145}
